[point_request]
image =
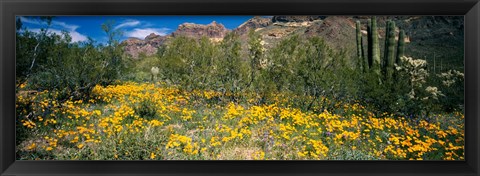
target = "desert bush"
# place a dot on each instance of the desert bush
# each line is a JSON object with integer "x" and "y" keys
{"x": 189, "y": 62}
{"x": 409, "y": 94}
{"x": 453, "y": 86}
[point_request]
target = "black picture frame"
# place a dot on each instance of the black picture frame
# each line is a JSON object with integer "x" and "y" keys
{"x": 470, "y": 9}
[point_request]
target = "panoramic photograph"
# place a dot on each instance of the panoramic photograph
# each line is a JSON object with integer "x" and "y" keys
{"x": 239, "y": 88}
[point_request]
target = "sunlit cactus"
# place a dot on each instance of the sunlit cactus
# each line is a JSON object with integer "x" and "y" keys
{"x": 154, "y": 71}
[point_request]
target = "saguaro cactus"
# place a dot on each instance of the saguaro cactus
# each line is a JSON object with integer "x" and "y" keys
{"x": 375, "y": 47}
{"x": 389, "y": 49}
{"x": 400, "y": 47}
{"x": 360, "y": 47}
{"x": 364, "y": 59}
{"x": 383, "y": 61}
{"x": 369, "y": 40}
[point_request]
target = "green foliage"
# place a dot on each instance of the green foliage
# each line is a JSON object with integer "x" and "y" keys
{"x": 452, "y": 85}
{"x": 388, "y": 97}
{"x": 31, "y": 51}
{"x": 176, "y": 64}
{"x": 308, "y": 69}
{"x": 256, "y": 53}
{"x": 230, "y": 69}
{"x": 145, "y": 109}
{"x": 313, "y": 68}
{"x": 192, "y": 69}
{"x": 283, "y": 62}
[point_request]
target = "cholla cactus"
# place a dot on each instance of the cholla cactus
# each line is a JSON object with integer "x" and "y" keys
{"x": 411, "y": 94}
{"x": 263, "y": 43}
{"x": 256, "y": 48}
{"x": 450, "y": 77}
{"x": 265, "y": 63}
{"x": 154, "y": 71}
{"x": 415, "y": 68}
{"x": 434, "y": 93}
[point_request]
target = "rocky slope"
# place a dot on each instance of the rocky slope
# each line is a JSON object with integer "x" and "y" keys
{"x": 256, "y": 23}
{"x": 134, "y": 47}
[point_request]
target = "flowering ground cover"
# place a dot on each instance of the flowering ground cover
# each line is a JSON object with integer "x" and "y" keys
{"x": 157, "y": 121}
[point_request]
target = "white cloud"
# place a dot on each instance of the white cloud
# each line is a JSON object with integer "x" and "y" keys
{"x": 56, "y": 28}
{"x": 76, "y": 37}
{"x": 70, "y": 27}
{"x": 54, "y": 23}
{"x": 143, "y": 32}
{"x": 128, "y": 23}
{"x": 32, "y": 21}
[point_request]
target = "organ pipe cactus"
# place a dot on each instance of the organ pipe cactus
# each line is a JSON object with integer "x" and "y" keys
{"x": 375, "y": 47}
{"x": 369, "y": 40}
{"x": 400, "y": 47}
{"x": 365, "y": 59}
{"x": 389, "y": 58}
{"x": 373, "y": 60}
{"x": 360, "y": 47}
{"x": 383, "y": 64}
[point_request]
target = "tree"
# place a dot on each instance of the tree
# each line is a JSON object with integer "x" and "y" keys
{"x": 112, "y": 64}
{"x": 31, "y": 48}
{"x": 231, "y": 69}
{"x": 256, "y": 51}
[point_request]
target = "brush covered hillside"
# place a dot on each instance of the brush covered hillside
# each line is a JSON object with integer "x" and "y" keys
{"x": 273, "y": 88}
{"x": 442, "y": 35}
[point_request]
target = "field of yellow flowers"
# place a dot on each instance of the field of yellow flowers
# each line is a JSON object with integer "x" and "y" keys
{"x": 147, "y": 121}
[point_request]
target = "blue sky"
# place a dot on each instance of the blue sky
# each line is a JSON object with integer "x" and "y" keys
{"x": 81, "y": 27}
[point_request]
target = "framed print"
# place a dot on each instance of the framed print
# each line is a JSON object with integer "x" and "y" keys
{"x": 235, "y": 88}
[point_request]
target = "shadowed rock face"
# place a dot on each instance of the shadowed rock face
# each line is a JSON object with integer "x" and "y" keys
{"x": 212, "y": 30}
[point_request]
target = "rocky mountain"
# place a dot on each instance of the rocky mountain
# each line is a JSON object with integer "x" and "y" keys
{"x": 134, "y": 47}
